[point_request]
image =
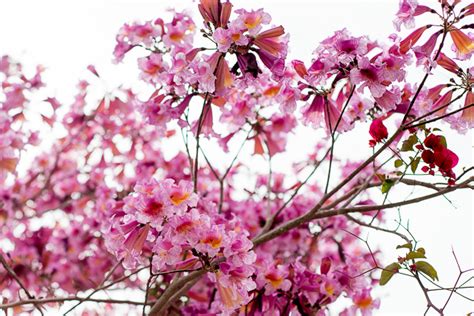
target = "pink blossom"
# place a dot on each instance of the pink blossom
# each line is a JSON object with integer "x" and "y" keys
{"x": 365, "y": 303}
{"x": 405, "y": 14}
{"x": 370, "y": 76}
{"x": 274, "y": 278}
{"x": 151, "y": 66}
{"x": 166, "y": 253}
{"x": 252, "y": 21}
{"x": 424, "y": 52}
{"x": 222, "y": 38}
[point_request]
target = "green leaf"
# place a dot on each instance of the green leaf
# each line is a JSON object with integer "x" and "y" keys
{"x": 388, "y": 273}
{"x": 427, "y": 269}
{"x": 398, "y": 163}
{"x": 386, "y": 185}
{"x": 421, "y": 250}
{"x": 408, "y": 144}
{"x": 415, "y": 255}
{"x": 414, "y": 164}
{"x": 407, "y": 245}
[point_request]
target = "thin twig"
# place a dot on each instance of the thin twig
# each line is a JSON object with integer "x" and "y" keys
{"x": 205, "y": 109}
{"x": 12, "y": 273}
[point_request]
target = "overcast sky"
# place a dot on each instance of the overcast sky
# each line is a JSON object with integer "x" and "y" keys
{"x": 66, "y": 36}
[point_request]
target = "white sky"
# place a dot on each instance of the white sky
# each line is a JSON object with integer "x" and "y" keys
{"x": 66, "y": 36}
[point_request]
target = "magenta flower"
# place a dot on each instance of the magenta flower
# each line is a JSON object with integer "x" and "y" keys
{"x": 252, "y": 21}
{"x": 167, "y": 254}
{"x": 231, "y": 234}
{"x": 272, "y": 42}
{"x": 223, "y": 39}
{"x": 364, "y": 302}
{"x": 407, "y": 43}
{"x": 273, "y": 279}
{"x": 369, "y": 76}
{"x": 424, "y": 52}
{"x": 406, "y": 14}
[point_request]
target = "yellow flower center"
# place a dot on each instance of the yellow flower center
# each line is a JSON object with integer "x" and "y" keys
{"x": 274, "y": 279}
{"x": 176, "y": 36}
{"x": 213, "y": 240}
{"x": 252, "y": 21}
{"x": 364, "y": 302}
{"x": 178, "y": 198}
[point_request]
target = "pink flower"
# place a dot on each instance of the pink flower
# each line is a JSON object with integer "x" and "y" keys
{"x": 120, "y": 50}
{"x": 405, "y": 14}
{"x": 424, "y": 52}
{"x": 274, "y": 278}
{"x": 211, "y": 241}
{"x": 215, "y": 12}
{"x": 233, "y": 285}
{"x": 407, "y": 43}
{"x": 312, "y": 112}
{"x": 252, "y": 21}
{"x": 275, "y": 64}
{"x": 389, "y": 99}
{"x": 167, "y": 253}
{"x": 223, "y": 39}
{"x": 364, "y": 302}
{"x": 182, "y": 196}
{"x": 219, "y": 66}
{"x": 300, "y": 68}
{"x": 151, "y": 66}
{"x": 370, "y": 76}
{"x": 239, "y": 249}
{"x": 468, "y": 114}
{"x": 272, "y": 42}
{"x": 323, "y": 108}
{"x": 179, "y": 33}
{"x": 204, "y": 76}
{"x": 236, "y": 35}
{"x": 233, "y": 290}
{"x": 130, "y": 248}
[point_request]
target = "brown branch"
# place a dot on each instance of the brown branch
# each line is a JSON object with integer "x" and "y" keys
{"x": 148, "y": 285}
{"x": 165, "y": 299}
{"x": 362, "y": 223}
{"x": 42, "y": 301}
{"x": 333, "y": 132}
{"x": 366, "y": 208}
{"x": 440, "y": 117}
{"x": 271, "y": 220}
{"x": 13, "y": 274}
{"x": 100, "y": 287}
{"x": 311, "y": 215}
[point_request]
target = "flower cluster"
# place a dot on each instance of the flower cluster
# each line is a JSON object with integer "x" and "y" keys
{"x": 272, "y": 242}
{"x": 436, "y": 154}
{"x": 182, "y": 231}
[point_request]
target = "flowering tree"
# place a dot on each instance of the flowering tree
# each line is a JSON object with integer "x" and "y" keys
{"x": 105, "y": 206}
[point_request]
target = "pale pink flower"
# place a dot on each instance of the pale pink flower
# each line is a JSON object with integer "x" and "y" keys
{"x": 405, "y": 14}
{"x": 222, "y": 38}
{"x": 369, "y": 76}
{"x": 252, "y": 21}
